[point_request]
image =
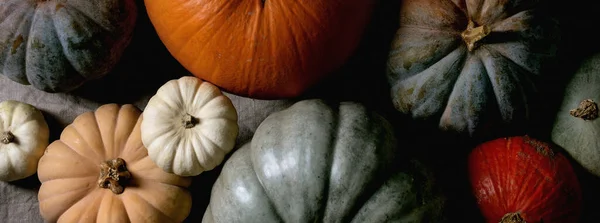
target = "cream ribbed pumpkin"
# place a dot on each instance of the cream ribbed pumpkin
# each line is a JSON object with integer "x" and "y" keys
{"x": 189, "y": 126}
{"x": 23, "y": 139}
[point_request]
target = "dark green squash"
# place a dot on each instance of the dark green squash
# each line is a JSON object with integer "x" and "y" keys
{"x": 56, "y": 46}
{"x": 470, "y": 63}
{"x": 319, "y": 162}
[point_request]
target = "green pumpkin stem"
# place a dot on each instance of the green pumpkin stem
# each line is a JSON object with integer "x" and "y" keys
{"x": 512, "y": 218}
{"x": 113, "y": 175}
{"x": 587, "y": 110}
{"x": 472, "y": 35}
{"x": 7, "y": 137}
{"x": 190, "y": 121}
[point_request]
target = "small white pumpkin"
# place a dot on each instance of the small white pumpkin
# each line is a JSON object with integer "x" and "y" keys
{"x": 189, "y": 126}
{"x": 24, "y": 136}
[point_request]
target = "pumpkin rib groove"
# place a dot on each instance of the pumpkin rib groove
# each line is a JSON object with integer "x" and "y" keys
{"x": 262, "y": 187}
{"x": 492, "y": 50}
{"x": 68, "y": 5}
{"x": 131, "y": 212}
{"x": 148, "y": 204}
{"x": 306, "y": 11}
{"x": 199, "y": 30}
{"x": 524, "y": 182}
{"x": 115, "y": 148}
{"x": 289, "y": 14}
{"x": 64, "y": 49}
{"x": 203, "y": 141}
{"x": 459, "y": 7}
{"x": 331, "y": 159}
{"x": 488, "y": 69}
{"x": 191, "y": 146}
{"x": 494, "y": 181}
{"x": 87, "y": 145}
{"x": 460, "y": 68}
{"x": 516, "y": 81}
{"x": 24, "y": 20}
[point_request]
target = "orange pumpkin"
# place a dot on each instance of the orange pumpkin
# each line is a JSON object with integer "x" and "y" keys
{"x": 99, "y": 171}
{"x": 260, "y": 48}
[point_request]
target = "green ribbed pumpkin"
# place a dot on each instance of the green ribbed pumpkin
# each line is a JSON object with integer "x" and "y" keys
{"x": 58, "y": 45}
{"x": 322, "y": 162}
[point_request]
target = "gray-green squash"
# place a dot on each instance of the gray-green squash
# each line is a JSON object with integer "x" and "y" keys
{"x": 57, "y": 45}
{"x": 322, "y": 162}
{"x": 577, "y": 126}
{"x": 470, "y": 63}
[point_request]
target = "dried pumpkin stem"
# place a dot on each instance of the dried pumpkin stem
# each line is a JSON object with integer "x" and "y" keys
{"x": 512, "y": 218}
{"x": 190, "y": 121}
{"x": 113, "y": 175}
{"x": 587, "y": 110}
{"x": 7, "y": 137}
{"x": 472, "y": 35}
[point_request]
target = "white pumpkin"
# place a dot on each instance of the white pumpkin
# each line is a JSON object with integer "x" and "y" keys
{"x": 577, "y": 124}
{"x": 24, "y": 136}
{"x": 189, "y": 126}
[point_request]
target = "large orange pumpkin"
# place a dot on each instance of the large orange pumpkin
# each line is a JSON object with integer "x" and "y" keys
{"x": 260, "y": 48}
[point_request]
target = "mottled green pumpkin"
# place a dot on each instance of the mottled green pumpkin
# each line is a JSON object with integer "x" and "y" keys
{"x": 57, "y": 45}
{"x": 320, "y": 162}
{"x": 577, "y": 126}
{"x": 469, "y": 63}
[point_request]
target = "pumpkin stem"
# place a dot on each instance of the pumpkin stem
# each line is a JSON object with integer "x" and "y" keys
{"x": 190, "y": 121}
{"x": 587, "y": 110}
{"x": 512, "y": 218}
{"x": 474, "y": 34}
{"x": 7, "y": 137}
{"x": 113, "y": 174}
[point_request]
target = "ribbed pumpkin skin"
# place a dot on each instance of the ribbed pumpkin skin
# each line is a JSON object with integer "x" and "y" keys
{"x": 580, "y": 137}
{"x": 57, "y": 45}
{"x": 318, "y": 162}
{"x": 523, "y": 175}
{"x": 70, "y": 169}
{"x": 261, "y": 49}
{"x": 434, "y": 75}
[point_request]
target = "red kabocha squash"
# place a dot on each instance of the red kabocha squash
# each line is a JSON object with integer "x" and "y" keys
{"x": 521, "y": 179}
{"x": 260, "y": 48}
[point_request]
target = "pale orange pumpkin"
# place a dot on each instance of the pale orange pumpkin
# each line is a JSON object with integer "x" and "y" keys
{"x": 99, "y": 171}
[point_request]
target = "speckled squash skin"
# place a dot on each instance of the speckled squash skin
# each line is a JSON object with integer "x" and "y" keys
{"x": 57, "y": 45}
{"x": 318, "y": 162}
{"x": 579, "y": 135}
{"x": 467, "y": 62}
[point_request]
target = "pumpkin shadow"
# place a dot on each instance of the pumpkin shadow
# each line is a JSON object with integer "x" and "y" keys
{"x": 201, "y": 189}
{"x": 146, "y": 65}
{"x": 29, "y": 183}
{"x": 589, "y": 187}
{"x": 362, "y": 77}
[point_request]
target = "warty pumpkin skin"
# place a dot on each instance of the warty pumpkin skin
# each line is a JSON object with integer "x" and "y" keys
{"x": 577, "y": 126}
{"x": 469, "y": 63}
{"x": 318, "y": 162}
{"x": 99, "y": 171}
{"x": 57, "y": 45}
{"x": 24, "y": 136}
{"x": 189, "y": 126}
{"x": 261, "y": 49}
{"x": 520, "y": 179}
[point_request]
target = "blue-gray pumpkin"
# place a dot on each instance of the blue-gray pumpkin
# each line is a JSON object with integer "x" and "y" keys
{"x": 467, "y": 62}
{"x": 58, "y": 45}
{"x": 322, "y": 162}
{"x": 577, "y": 126}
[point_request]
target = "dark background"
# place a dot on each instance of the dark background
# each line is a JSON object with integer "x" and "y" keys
{"x": 146, "y": 65}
